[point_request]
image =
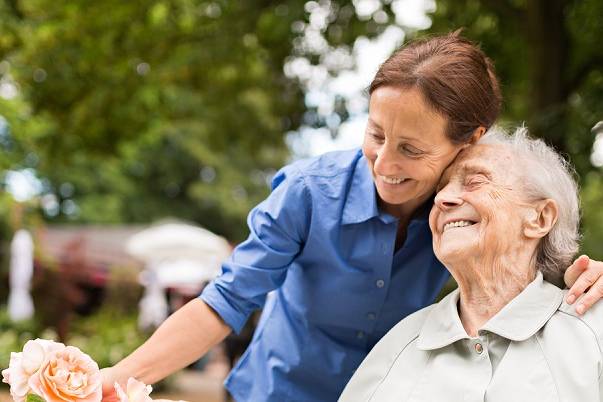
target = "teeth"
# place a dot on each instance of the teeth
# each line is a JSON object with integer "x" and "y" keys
{"x": 392, "y": 180}
{"x": 457, "y": 224}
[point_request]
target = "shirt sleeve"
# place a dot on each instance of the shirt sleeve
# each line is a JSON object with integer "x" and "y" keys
{"x": 278, "y": 229}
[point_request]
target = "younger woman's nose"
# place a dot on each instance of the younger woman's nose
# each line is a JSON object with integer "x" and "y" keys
{"x": 386, "y": 162}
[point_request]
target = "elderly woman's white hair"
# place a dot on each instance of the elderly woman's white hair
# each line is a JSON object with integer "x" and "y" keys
{"x": 547, "y": 176}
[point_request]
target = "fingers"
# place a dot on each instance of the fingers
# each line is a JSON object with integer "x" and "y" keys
{"x": 594, "y": 294}
{"x": 108, "y": 389}
{"x": 109, "y": 394}
{"x": 589, "y": 282}
{"x": 110, "y": 398}
{"x": 573, "y": 273}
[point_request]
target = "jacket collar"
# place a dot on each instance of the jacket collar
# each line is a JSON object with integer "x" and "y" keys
{"x": 520, "y": 319}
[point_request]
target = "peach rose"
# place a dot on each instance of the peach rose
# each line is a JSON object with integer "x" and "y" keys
{"x": 136, "y": 391}
{"x": 167, "y": 400}
{"x": 23, "y": 366}
{"x": 68, "y": 375}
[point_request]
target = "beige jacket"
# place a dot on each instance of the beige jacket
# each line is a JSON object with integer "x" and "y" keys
{"x": 535, "y": 349}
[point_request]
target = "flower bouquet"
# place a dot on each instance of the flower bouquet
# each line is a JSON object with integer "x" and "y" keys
{"x": 48, "y": 371}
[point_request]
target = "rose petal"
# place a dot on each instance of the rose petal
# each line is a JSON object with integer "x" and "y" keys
{"x": 6, "y": 376}
{"x": 16, "y": 377}
{"x": 33, "y": 356}
{"x": 120, "y": 393}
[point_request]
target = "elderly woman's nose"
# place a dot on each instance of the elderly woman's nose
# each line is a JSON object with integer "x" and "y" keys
{"x": 448, "y": 197}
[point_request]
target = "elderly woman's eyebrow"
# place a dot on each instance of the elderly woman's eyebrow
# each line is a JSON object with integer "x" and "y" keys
{"x": 462, "y": 170}
{"x": 475, "y": 168}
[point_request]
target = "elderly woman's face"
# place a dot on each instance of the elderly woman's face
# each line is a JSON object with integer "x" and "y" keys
{"x": 406, "y": 146}
{"x": 479, "y": 208}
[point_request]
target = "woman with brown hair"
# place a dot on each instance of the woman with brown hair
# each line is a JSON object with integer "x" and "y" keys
{"x": 343, "y": 242}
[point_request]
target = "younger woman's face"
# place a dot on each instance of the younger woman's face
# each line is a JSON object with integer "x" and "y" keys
{"x": 406, "y": 147}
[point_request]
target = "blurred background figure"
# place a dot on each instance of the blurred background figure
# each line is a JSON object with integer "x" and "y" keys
{"x": 153, "y": 305}
{"x": 72, "y": 275}
{"x": 20, "y": 303}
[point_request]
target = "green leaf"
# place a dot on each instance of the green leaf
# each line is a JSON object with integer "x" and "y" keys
{"x": 34, "y": 398}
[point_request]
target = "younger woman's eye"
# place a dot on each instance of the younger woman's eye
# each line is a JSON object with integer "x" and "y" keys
{"x": 377, "y": 137}
{"x": 411, "y": 151}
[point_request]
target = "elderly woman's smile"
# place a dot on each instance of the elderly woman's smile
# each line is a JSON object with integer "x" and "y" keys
{"x": 453, "y": 223}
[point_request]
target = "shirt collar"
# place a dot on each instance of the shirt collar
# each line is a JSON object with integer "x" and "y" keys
{"x": 521, "y": 318}
{"x": 361, "y": 202}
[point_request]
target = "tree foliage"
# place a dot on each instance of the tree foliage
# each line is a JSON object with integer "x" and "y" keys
{"x": 152, "y": 108}
{"x": 138, "y": 110}
{"x": 131, "y": 111}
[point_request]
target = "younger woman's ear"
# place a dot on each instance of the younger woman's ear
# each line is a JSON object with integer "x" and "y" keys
{"x": 542, "y": 219}
{"x": 477, "y": 134}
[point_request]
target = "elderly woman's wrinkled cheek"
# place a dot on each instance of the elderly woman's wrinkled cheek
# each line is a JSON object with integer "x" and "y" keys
{"x": 498, "y": 195}
{"x": 502, "y": 224}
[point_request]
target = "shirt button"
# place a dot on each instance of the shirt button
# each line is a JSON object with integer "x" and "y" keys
{"x": 479, "y": 348}
{"x": 360, "y": 335}
{"x": 371, "y": 316}
{"x": 380, "y": 283}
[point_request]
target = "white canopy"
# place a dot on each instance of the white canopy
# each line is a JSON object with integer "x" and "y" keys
{"x": 176, "y": 255}
{"x": 177, "y": 241}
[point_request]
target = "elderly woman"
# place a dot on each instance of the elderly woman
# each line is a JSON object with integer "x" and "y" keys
{"x": 506, "y": 215}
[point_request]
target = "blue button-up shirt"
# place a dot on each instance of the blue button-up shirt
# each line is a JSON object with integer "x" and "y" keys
{"x": 321, "y": 244}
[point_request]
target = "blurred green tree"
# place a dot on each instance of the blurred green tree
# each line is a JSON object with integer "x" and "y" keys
{"x": 142, "y": 109}
{"x": 131, "y": 111}
{"x": 151, "y": 108}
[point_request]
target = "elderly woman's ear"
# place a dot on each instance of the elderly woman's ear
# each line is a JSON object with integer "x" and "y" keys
{"x": 541, "y": 219}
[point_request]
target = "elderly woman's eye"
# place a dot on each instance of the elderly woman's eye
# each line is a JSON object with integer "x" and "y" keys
{"x": 475, "y": 181}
